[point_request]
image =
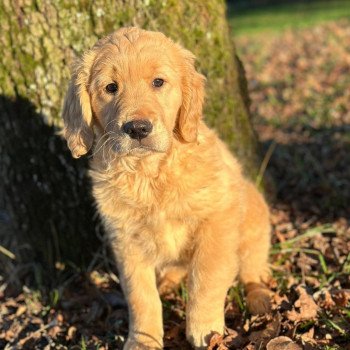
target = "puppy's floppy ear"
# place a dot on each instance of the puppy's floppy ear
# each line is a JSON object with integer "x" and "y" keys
{"x": 77, "y": 113}
{"x": 192, "y": 100}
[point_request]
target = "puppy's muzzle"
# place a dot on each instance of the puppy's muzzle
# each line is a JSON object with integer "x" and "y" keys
{"x": 138, "y": 129}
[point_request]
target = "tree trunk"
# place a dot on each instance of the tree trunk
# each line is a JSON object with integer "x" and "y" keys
{"x": 46, "y": 212}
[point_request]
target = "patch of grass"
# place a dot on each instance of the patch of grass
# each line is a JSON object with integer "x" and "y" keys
{"x": 83, "y": 344}
{"x": 308, "y": 234}
{"x": 236, "y": 294}
{"x": 275, "y": 18}
{"x": 183, "y": 292}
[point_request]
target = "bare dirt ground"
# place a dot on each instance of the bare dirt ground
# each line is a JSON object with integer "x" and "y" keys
{"x": 299, "y": 83}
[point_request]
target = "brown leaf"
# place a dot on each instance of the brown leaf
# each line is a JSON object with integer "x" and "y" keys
{"x": 71, "y": 332}
{"x": 341, "y": 297}
{"x": 233, "y": 340}
{"x": 9, "y": 335}
{"x": 174, "y": 331}
{"x": 54, "y": 331}
{"x": 21, "y": 310}
{"x": 59, "y": 318}
{"x": 215, "y": 341}
{"x": 281, "y": 301}
{"x": 326, "y": 301}
{"x": 308, "y": 337}
{"x": 307, "y": 308}
{"x": 282, "y": 343}
{"x": 27, "y": 343}
{"x": 270, "y": 331}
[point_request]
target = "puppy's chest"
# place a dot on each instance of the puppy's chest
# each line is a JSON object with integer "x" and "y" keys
{"x": 149, "y": 213}
{"x": 171, "y": 236}
{"x": 142, "y": 195}
{"x": 159, "y": 233}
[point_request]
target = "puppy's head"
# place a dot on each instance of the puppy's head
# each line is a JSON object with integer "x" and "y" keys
{"x": 134, "y": 91}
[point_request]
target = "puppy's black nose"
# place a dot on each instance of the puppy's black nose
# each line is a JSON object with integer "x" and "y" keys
{"x": 138, "y": 129}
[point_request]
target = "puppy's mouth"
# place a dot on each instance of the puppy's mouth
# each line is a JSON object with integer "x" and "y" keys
{"x": 143, "y": 148}
{"x": 138, "y": 147}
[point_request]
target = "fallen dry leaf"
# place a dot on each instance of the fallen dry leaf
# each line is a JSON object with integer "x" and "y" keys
{"x": 282, "y": 343}
{"x": 305, "y": 305}
{"x": 216, "y": 342}
{"x": 325, "y": 300}
{"x": 341, "y": 297}
{"x": 71, "y": 332}
{"x": 21, "y": 310}
{"x": 308, "y": 337}
{"x": 270, "y": 331}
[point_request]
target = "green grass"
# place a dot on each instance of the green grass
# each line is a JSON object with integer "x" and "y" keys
{"x": 279, "y": 17}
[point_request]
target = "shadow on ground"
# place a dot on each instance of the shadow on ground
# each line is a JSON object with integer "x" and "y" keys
{"x": 310, "y": 169}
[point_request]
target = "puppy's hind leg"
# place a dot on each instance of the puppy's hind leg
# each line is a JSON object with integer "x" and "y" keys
{"x": 253, "y": 253}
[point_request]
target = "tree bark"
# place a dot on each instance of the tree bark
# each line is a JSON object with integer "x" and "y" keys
{"x": 46, "y": 212}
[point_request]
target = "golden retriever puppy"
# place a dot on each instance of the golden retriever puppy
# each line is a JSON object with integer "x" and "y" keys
{"x": 172, "y": 197}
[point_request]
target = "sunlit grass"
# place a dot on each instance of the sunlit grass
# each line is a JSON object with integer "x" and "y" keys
{"x": 282, "y": 16}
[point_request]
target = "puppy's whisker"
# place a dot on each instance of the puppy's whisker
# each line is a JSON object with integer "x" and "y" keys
{"x": 102, "y": 145}
{"x": 113, "y": 120}
{"x": 97, "y": 150}
{"x": 104, "y": 151}
{"x": 97, "y": 147}
{"x": 110, "y": 154}
{"x": 104, "y": 136}
{"x": 113, "y": 141}
{"x": 108, "y": 150}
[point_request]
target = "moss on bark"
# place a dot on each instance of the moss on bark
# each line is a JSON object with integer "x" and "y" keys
{"x": 40, "y": 40}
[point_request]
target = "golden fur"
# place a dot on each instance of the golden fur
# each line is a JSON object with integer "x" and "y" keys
{"x": 174, "y": 203}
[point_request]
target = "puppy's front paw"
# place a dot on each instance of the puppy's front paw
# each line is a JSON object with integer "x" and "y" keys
{"x": 199, "y": 334}
{"x": 259, "y": 300}
{"x": 135, "y": 345}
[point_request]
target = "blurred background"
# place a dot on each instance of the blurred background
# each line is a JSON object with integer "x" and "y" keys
{"x": 278, "y": 92}
{"x": 296, "y": 56}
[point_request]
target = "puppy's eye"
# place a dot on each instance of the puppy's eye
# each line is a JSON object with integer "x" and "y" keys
{"x": 112, "y": 88}
{"x": 158, "y": 82}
